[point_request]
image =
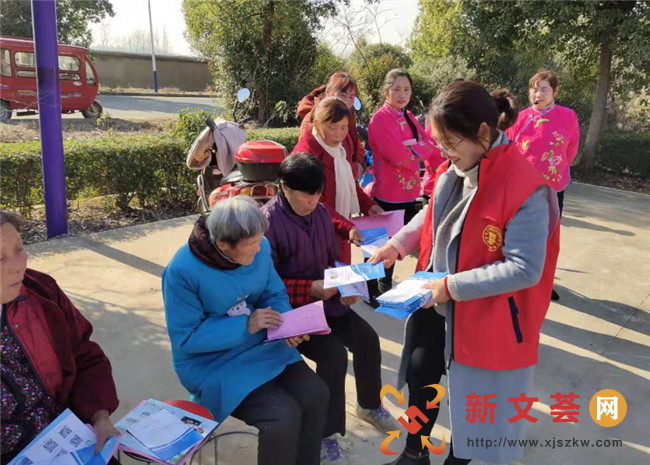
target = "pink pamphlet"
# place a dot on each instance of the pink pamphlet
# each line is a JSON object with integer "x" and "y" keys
{"x": 392, "y": 221}
{"x": 309, "y": 319}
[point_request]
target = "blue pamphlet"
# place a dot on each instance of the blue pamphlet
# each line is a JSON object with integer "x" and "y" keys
{"x": 408, "y": 296}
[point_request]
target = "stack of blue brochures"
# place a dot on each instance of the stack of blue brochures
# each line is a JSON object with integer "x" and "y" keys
{"x": 407, "y": 296}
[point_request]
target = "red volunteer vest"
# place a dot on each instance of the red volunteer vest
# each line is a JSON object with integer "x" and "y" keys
{"x": 500, "y": 332}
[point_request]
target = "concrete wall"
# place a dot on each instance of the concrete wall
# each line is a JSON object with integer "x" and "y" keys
{"x": 119, "y": 69}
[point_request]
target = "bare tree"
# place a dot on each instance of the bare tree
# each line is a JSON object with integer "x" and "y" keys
{"x": 138, "y": 41}
{"x": 354, "y": 24}
{"x": 104, "y": 37}
{"x": 376, "y": 11}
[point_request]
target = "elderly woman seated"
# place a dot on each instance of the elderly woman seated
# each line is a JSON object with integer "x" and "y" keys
{"x": 303, "y": 245}
{"x": 48, "y": 361}
{"x": 221, "y": 295}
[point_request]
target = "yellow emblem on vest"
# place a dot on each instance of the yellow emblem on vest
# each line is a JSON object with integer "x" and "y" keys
{"x": 492, "y": 237}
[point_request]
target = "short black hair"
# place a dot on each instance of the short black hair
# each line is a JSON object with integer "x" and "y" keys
{"x": 303, "y": 172}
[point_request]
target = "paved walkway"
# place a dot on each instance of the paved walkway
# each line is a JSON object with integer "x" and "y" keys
{"x": 145, "y": 107}
{"x": 597, "y": 337}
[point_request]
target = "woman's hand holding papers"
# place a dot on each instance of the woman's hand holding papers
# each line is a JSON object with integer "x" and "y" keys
{"x": 387, "y": 254}
{"x": 319, "y": 293}
{"x": 347, "y": 301}
{"x": 296, "y": 341}
{"x": 264, "y": 318}
{"x": 104, "y": 429}
{"x": 375, "y": 210}
{"x": 356, "y": 237}
{"x": 438, "y": 293}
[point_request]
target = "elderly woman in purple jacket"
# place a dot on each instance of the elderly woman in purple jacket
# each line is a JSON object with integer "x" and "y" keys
{"x": 303, "y": 244}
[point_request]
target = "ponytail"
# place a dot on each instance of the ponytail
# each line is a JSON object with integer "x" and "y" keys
{"x": 507, "y": 108}
{"x": 463, "y": 106}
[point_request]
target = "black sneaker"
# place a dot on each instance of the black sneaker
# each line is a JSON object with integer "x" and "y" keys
{"x": 406, "y": 460}
{"x": 374, "y": 304}
{"x": 555, "y": 296}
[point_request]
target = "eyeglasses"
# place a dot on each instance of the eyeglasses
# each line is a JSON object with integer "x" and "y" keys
{"x": 450, "y": 151}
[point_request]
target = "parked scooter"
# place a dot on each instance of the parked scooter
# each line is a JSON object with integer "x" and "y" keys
{"x": 230, "y": 166}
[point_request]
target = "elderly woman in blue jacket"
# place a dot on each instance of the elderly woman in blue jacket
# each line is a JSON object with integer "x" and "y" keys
{"x": 221, "y": 294}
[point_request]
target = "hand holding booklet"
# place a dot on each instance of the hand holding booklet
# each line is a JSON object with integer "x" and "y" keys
{"x": 66, "y": 441}
{"x": 309, "y": 319}
{"x": 355, "y": 289}
{"x": 335, "y": 277}
{"x": 373, "y": 240}
{"x": 408, "y": 296}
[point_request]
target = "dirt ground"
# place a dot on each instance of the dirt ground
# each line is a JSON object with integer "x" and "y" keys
{"x": 99, "y": 214}
{"x": 28, "y": 130}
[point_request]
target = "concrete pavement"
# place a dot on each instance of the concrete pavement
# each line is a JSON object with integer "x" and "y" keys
{"x": 597, "y": 336}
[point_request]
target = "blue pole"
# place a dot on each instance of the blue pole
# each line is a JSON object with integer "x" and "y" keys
{"x": 49, "y": 109}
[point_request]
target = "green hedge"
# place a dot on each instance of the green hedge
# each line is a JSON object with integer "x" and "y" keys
{"x": 191, "y": 121}
{"x": 625, "y": 152}
{"x": 150, "y": 169}
{"x": 285, "y": 136}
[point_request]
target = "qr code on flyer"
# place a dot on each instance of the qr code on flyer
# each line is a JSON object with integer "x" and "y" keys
{"x": 65, "y": 432}
{"x": 76, "y": 440}
{"x": 61, "y": 452}
{"x": 50, "y": 445}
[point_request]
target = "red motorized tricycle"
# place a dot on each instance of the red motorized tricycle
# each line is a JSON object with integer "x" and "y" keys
{"x": 18, "y": 90}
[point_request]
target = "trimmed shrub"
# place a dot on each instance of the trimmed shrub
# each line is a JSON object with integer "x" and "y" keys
{"x": 625, "y": 152}
{"x": 149, "y": 169}
{"x": 285, "y": 136}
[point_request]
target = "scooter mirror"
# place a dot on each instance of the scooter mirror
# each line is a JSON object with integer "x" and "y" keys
{"x": 243, "y": 94}
{"x": 357, "y": 104}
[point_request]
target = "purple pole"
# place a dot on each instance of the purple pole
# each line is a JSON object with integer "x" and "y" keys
{"x": 49, "y": 109}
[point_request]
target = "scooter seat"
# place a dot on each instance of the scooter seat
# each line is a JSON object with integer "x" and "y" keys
{"x": 234, "y": 176}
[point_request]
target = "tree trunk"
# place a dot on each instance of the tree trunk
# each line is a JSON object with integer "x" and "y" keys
{"x": 267, "y": 42}
{"x": 599, "y": 112}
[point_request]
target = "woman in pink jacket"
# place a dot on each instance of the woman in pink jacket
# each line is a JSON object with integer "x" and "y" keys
{"x": 398, "y": 143}
{"x": 547, "y": 134}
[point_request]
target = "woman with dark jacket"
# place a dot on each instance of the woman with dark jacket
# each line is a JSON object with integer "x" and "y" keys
{"x": 49, "y": 362}
{"x": 304, "y": 244}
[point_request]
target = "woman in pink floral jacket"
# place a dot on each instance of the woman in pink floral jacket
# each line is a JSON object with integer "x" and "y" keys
{"x": 546, "y": 133}
{"x": 398, "y": 143}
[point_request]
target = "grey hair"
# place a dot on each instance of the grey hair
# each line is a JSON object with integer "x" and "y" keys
{"x": 11, "y": 218}
{"x": 235, "y": 219}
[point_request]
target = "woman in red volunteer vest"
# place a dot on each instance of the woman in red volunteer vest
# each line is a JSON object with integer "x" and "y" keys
{"x": 492, "y": 225}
